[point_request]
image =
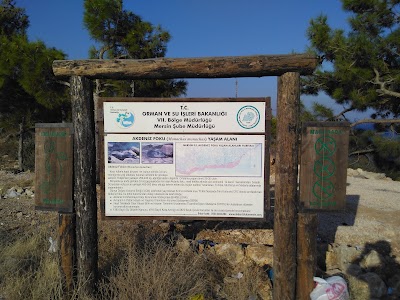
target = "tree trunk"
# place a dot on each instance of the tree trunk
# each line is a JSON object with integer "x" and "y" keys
{"x": 85, "y": 181}
{"x": 286, "y": 202}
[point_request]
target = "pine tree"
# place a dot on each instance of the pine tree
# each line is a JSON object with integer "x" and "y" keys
{"x": 361, "y": 67}
{"x": 361, "y": 70}
{"x": 122, "y": 34}
{"x": 28, "y": 87}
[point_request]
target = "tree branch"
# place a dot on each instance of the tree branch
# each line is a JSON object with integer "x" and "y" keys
{"x": 341, "y": 114}
{"x": 382, "y": 84}
{"x": 104, "y": 50}
{"x": 362, "y": 152}
{"x": 381, "y": 121}
{"x": 63, "y": 83}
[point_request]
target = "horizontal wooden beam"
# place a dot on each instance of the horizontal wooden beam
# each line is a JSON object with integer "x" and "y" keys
{"x": 207, "y": 67}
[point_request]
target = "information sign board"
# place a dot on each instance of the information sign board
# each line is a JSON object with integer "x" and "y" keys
{"x": 186, "y": 158}
{"x": 184, "y": 175}
{"x": 53, "y": 166}
{"x": 323, "y": 168}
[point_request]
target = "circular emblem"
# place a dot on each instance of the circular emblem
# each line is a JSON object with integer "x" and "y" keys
{"x": 323, "y": 189}
{"x": 248, "y": 117}
{"x": 325, "y": 146}
{"x": 324, "y": 167}
{"x": 125, "y": 120}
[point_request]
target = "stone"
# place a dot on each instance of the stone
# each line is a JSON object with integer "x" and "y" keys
{"x": 352, "y": 172}
{"x": 260, "y": 254}
{"x": 182, "y": 244}
{"x": 379, "y": 176}
{"x": 11, "y": 193}
{"x": 345, "y": 255}
{"x": 376, "y": 285}
{"x": 19, "y": 190}
{"x": 331, "y": 260}
{"x": 19, "y": 214}
{"x": 371, "y": 260}
{"x": 233, "y": 253}
{"x": 241, "y": 236}
{"x": 164, "y": 226}
{"x": 28, "y": 192}
{"x": 358, "y": 289}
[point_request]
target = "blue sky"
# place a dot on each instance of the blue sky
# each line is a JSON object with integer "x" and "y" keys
{"x": 201, "y": 29}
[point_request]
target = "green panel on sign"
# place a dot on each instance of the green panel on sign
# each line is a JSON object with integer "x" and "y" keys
{"x": 53, "y": 167}
{"x": 323, "y": 167}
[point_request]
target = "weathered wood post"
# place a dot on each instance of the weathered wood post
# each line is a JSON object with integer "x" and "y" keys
{"x": 306, "y": 254}
{"x": 66, "y": 233}
{"x": 21, "y": 161}
{"x": 285, "y": 212}
{"x": 85, "y": 181}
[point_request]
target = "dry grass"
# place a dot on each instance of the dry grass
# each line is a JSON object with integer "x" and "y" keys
{"x": 157, "y": 271}
{"x": 28, "y": 271}
{"x": 135, "y": 263}
{"x": 139, "y": 263}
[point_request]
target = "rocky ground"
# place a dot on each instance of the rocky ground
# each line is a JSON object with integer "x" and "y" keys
{"x": 361, "y": 243}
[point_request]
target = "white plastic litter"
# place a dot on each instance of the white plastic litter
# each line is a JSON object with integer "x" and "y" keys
{"x": 53, "y": 245}
{"x": 238, "y": 275}
{"x": 332, "y": 288}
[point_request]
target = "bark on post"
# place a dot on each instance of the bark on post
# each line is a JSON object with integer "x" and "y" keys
{"x": 66, "y": 233}
{"x": 307, "y": 226}
{"x": 205, "y": 67}
{"x": 21, "y": 145}
{"x": 85, "y": 181}
{"x": 286, "y": 202}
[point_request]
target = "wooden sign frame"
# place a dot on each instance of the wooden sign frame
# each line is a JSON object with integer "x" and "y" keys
{"x": 54, "y": 167}
{"x": 268, "y": 116}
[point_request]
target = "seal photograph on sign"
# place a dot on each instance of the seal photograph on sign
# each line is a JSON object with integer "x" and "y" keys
{"x": 123, "y": 153}
{"x": 248, "y": 117}
{"x": 157, "y": 153}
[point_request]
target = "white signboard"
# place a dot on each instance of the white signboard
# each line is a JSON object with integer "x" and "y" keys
{"x": 189, "y": 117}
{"x": 185, "y": 175}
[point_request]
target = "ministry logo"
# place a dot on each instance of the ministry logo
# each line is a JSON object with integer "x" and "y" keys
{"x": 125, "y": 119}
{"x": 248, "y": 117}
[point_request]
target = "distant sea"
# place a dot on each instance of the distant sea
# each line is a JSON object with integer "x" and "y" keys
{"x": 387, "y": 134}
{"x": 365, "y": 126}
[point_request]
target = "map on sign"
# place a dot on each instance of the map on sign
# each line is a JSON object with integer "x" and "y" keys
{"x": 218, "y": 159}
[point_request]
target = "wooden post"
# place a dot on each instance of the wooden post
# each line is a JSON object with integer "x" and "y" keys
{"x": 66, "y": 233}
{"x": 85, "y": 181}
{"x": 285, "y": 211}
{"x": 21, "y": 145}
{"x": 307, "y": 226}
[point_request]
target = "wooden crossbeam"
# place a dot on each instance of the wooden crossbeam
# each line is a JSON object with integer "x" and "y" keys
{"x": 207, "y": 67}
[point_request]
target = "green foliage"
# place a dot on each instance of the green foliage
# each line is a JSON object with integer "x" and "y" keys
{"x": 359, "y": 61}
{"x": 28, "y": 87}
{"x": 13, "y": 20}
{"x": 122, "y": 34}
{"x": 372, "y": 152}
